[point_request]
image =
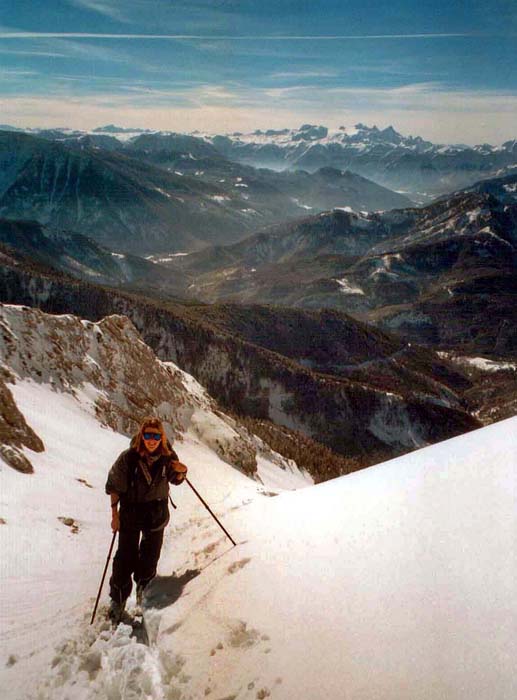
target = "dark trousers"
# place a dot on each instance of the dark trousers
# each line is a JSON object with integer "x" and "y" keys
{"x": 135, "y": 556}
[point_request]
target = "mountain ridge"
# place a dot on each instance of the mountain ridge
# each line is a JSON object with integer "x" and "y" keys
{"x": 250, "y": 379}
{"x": 426, "y": 273}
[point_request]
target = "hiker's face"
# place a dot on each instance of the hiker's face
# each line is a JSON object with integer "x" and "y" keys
{"x": 153, "y": 440}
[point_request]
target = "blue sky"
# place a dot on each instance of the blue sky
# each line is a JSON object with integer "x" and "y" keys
{"x": 443, "y": 70}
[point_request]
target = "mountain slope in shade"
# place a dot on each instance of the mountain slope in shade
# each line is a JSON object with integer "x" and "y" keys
{"x": 82, "y": 257}
{"x": 271, "y": 195}
{"x": 349, "y": 416}
{"x": 503, "y": 188}
{"x": 397, "y": 582}
{"x": 460, "y": 272}
{"x": 344, "y": 233}
{"x": 145, "y": 200}
{"x": 121, "y": 202}
{"x": 334, "y": 343}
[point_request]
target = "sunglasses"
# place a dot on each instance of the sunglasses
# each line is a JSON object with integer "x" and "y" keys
{"x": 152, "y": 436}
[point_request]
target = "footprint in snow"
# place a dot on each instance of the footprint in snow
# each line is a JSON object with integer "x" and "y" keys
{"x": 238, "y": 565}
{"x": 165, "y": 590}
{"x": 243, "y": 638}
{"x": 71, "y": 523}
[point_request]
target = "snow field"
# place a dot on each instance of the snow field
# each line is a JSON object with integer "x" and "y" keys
{"x": 394, "y": 583}
{"x": 50, "y": 575}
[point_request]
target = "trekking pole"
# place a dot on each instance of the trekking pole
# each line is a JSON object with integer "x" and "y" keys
{"x": 103, "y": 577}
{"x": 173, "y": 504}
{"x": 211, "y": 513}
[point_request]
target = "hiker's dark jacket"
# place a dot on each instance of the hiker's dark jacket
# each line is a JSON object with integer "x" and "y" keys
{"x": 142, "y": 505}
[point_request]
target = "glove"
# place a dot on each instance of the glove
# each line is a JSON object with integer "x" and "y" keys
{"x": 180, "y": 472}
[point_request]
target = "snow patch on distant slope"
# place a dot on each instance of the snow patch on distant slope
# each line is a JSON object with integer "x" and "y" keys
{"x": 347, "y": 288}
{"x": 485, "y": 364}
{"x": 391, "y": 424}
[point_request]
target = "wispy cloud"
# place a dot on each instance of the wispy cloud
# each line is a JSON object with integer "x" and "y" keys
{"x": 303, "y": 74}
{"x": 242, "y": 37}
{"x": 48, "y": 54}
{"x": 14, "y": 74}
{"x": 430, "y": 97}
{"x": 79, "y": 49}
{"x": 69, "y": 48}
{"x": 104, "y": 8}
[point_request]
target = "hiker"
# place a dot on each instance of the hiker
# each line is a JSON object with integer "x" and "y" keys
{"x": 138, "y": 485}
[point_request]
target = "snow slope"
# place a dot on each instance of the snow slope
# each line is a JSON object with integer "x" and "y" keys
{"x": 394, "y": 583}
{"x": 49, "y": 573}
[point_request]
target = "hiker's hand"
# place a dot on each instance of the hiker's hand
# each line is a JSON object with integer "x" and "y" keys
{"x": 115, "y": 520}
{"x": 180, "y": 472}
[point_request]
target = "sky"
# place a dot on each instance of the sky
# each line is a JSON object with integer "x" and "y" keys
{"x": 442, "y": 69}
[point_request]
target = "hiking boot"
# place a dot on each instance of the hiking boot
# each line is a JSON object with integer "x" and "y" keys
{"x": 116, "y": 610}
{"x": 140, "y": 594}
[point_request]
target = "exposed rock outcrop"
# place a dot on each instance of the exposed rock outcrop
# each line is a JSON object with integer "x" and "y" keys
{"x": 108, "y": 365}
{"x": 15, "y": 433}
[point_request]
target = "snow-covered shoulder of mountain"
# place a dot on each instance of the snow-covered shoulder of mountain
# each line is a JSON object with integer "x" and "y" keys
{"x": 372, "y": 585}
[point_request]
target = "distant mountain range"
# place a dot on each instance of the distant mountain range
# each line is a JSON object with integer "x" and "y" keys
{"x": 411, "y": 165}
{"x": 149, "y": 197}
{"x": 420, "y": 168}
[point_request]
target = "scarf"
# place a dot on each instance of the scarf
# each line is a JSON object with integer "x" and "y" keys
{"x": 146, "y": 464}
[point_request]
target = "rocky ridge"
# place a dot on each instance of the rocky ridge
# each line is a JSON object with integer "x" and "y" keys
{"x": 107, "y": 366}
{"x": 15, "y": 433}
